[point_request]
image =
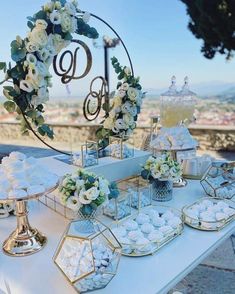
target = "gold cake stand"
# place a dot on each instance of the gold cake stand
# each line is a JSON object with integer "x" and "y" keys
{"x": 24, "y": 240}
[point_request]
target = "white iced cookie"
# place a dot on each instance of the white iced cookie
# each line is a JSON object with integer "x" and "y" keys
{"x": 142, "y": 218}
{"x": 147, "y": 228}
{"x": 222, "y": 205}
{"x": 207, "y": 203}
{"x": 134, "y": 235}
{"x": 229, "y": 211}
{"x": 131, "y": 225}
{"x": 193, "y": 213}
{"x": 166, "y": 229}
{"x": 15, "y": 155}
{"x": 17, "y": 193}
{"x": 119, "y": 232}
{"x": 207, "y": 216}
{"x": 20, "y": 184}
{"x": 152, "y": 213}
{"x": 156, "y": 236}
{"x": 174, "y": 222}
{"x": 35, "y": 189}
{"x": 158, "y": 221}
{"x": 168, "y": 215}
{"x": 221, "y": 216}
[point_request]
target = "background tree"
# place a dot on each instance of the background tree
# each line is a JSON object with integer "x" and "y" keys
{"x": 213, "y": 21}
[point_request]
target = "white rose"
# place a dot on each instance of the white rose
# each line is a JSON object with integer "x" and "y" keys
{"x": 86, "y": 17}
{"x": 26, "y": 86}
{"x": 124, "y": 86}
{"x": 31, "y": 47}
{"x": 83, "y": 198}
{"x": 132, "y": 94}
{"x": 58, "y": 42}
{"x": 108, "y": 123}
{"x": 92, "y": 193}
{"x": 58, "y": 5}
{"x": 70, "y": 8}
{"x": 38, "y": 37}
{"x": 31, "y": 59}
{"x": 66, "y": 22}
{"x": 121, "y": 93}
{"x": 73, "y": 203}
{"x": 49, "y": 7}
{"x": 120, "y": 124}
{"x": 41, "y": 24}
{"x": 128, "y": 119}
{"x": 127, "y": 71}
{"x": 55, "y": 17}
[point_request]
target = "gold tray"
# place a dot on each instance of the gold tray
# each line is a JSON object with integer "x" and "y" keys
{"x": 152, "y": 246}
{"x": 203, "y": 225}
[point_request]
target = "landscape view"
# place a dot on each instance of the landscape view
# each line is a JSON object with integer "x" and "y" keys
{"x": 211, "y": 109}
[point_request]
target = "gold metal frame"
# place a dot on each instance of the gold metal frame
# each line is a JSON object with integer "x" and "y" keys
{"x": 216, "y": 225}
{"x": 89, "y": 237}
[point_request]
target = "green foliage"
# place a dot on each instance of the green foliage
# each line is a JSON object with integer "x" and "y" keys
{"x": 3, "y": 66}
{"x": 18, "y": 51}
{"x": 10, "y": 106}
{"x": 214, "y": 23}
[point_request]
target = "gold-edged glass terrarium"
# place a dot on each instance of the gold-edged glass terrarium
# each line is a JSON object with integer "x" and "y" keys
{"x": 121, "y": 147}
{"x": 88, "y": 155}
{"x": 88, "y": 255}
{"x": 219, "y": 180}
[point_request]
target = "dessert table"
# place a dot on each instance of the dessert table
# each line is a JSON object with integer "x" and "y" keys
{"x": 37, "y": 273}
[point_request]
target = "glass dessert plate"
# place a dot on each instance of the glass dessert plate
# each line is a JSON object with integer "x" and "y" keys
{"x": 133, "y": 249}
{"x": 205, "y": 225}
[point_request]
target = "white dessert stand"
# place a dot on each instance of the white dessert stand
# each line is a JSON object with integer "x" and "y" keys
{"x": 24, "y": 240}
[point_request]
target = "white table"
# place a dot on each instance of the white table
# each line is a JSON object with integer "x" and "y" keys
{"x": 38, "y": 274}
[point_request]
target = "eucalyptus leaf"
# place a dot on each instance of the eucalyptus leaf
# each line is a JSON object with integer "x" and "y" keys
{"x": 10, "y": 106}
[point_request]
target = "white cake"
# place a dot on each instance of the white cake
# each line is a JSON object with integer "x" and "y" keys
{"x": 175, "y": 138}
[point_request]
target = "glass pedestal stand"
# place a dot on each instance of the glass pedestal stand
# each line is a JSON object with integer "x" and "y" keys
{"x": 24, "y": 240}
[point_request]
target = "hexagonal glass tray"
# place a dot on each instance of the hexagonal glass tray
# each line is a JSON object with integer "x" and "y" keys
{"x": 205, "y": 225}
{"x": 135, "y": 250}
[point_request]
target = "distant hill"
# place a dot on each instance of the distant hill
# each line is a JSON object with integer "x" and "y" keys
{"x": 228, "y": 95}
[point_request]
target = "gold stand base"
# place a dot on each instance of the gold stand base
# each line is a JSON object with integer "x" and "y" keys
{"x": 24, "y": 240}
{"x": 180, "y": 183}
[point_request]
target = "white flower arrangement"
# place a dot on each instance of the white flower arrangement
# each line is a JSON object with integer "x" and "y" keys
{"x": 51, "y": 30}
{"x": 162, "y": 167}
{"x": 124, "y": 106}
{"x": 85, "y": 191}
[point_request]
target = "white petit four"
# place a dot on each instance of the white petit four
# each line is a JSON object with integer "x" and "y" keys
{"x": 134, "y": 235}
{"x": 142, "y": 218}
{"x": 147, "y": 228}
{"x": 131, "y": 225}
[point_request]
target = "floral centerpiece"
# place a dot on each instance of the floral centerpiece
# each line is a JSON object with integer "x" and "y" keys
{"x": 161, "y": 171}
{"x": 51, "y": 29}
{"x": 125, "y": 105}
{"x": 84, "y": 192}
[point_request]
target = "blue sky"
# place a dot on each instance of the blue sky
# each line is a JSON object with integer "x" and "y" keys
{"x": 155, "y": 32}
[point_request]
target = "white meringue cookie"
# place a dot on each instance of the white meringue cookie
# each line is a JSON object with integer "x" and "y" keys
{"x": 166, "y": 229}
{"x": 15, "y": 155}
{"x": 168, "y": 215}
{"x": 221, "y": 216}
{"x": 119, "y": 232}
{"x": 142, "y": 218}
{"x": 174, "y": 222}
{"x": 158, "y": 221}
{"x": 134, "y": 235}
{"x": 229, "y": 211}
{"x": 142, "y": 241}
{"x": 17, "y": 193}
{"x": 156, "y": 236}
{"x": 20, "y": 184}
{"x": 147, "y": 228}
{"x": 131, "y": 225}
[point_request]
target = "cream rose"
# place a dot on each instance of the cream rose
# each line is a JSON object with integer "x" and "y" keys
{"x": 92, "y": 193}
{"x": 41, "y": 24}
{"x": 38, "y": 37}
{"x": 132, "y": 94}
{"x": 26, "y": 86}
{"x": 108, "y": 123}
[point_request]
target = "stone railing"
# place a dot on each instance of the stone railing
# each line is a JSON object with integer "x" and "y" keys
{"x": 209, "y": 137}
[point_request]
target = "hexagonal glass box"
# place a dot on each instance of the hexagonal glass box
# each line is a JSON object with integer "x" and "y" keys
{"x": 88, "y": 255}
{"x": 88, "y": 155}
{"x": 219, "y": 180}
{"x": 121, "y": 147}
